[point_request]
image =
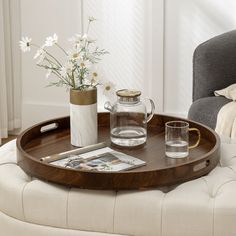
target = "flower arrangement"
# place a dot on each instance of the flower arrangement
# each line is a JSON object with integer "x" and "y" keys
{"x": 77, "y": 70}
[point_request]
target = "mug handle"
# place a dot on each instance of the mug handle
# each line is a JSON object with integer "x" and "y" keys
{"x": 198, "y": 139}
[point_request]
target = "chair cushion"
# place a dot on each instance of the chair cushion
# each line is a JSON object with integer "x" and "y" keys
{"x": 205, "y": 110}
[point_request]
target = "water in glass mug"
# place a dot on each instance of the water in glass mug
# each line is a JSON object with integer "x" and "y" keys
{"x": 176, "y": 148}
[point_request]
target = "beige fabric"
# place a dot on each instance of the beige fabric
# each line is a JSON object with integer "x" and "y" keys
{"x": 205, "y": 206}
{"x": 229, "y": 92}
{"x": 226, "y": 121}
{"x": 13, "y": 227}
{"x": 95, "y": 213}
{"x": 226, "y": 118}
{"x": 139, "y": 212}
{"x": 38, "y": 196}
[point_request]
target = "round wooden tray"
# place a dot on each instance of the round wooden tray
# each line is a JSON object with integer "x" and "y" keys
{"x": 40, "y": 141}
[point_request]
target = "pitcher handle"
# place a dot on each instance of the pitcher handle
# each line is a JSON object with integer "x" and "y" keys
{"x": 152, "y": 109}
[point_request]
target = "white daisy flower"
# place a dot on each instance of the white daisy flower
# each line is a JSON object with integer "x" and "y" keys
{"x": 86, "y": 81}
{"x": 69, "y": 66}
{"x": 40, "y": 54}
{"x": 25, "y": 44}
{"x": 90, "y": 40}
{"x": 77, "y": 39}
{"x": 93, "y": 77}
{"x": 73, "y": 55}
{"x": 86, "y": 38}
{"x": 50, "y": 41}
{"x": 108, "y": 88}
{"x": 85, "y": 64}
{"x": 91, "y": 18}
{"x": 63, "y": 72}
{"x": 66, "y": 69}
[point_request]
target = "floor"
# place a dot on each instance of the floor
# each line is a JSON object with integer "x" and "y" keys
{"x": 5, "y": 140}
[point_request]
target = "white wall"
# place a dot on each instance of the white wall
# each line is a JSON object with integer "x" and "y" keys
{"x": 151, "y": 43}
{"x": 187, "y": 24}
{"x": 40, "y": 19}
{"x": 127, "y": 29}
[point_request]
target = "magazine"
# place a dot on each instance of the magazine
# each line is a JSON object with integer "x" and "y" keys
{"x": 103, "y": 159}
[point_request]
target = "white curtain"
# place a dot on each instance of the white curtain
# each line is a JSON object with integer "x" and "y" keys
{"x": 10, "y": 67}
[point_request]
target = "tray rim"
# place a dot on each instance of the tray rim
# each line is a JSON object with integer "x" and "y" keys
{"x": 206, "y": 155}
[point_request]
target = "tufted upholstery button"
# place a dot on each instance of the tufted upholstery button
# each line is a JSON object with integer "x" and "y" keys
{"x": 138, "y": 213}
{"x": 12, "y": 183}
{"x": 96, "y": 211}
{"x": 205, "y": 206}
{"x": 218, "y": 177}
{"x": 45, "y": 204}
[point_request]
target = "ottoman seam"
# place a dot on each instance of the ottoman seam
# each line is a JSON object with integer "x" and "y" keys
{"x": 22, "y": 198}
{"x": 8, "y": 163}
{"x": 54, "y": 227}
{"x": 114, "y": 207}
{"x": 67, "y": 208}
{"x": 207, "y": 186}
{"x": 213, "y": 220}
{"x": 231, "y": 169}
{"x": 162, "y": 205}
{"x": 227, "y": 182}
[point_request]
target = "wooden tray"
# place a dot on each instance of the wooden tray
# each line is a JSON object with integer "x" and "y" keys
{"x": 38, "y": 141}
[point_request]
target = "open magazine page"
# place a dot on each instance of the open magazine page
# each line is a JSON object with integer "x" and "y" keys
{"x": 104, "y": 159}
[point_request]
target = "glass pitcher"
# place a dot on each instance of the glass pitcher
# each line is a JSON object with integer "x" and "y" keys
{"x": 128, "y": 118}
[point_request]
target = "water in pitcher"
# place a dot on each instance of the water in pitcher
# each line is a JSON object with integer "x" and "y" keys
{"x": 129, "y": 118}
{"x": 128, "y": 136}
{"x": 177, "y": 148}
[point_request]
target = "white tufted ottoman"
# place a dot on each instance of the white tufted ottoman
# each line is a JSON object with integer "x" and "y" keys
{"x": 203, "y": 207}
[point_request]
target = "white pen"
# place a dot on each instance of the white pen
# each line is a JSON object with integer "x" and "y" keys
{"x": 81, "y": 150}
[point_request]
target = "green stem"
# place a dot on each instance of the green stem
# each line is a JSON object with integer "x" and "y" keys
{"x": 88, "y": 27}
{"x": 81, "y": 76}
{"x": 73, "y": 79}
{"x": 35, "y": 45}
{"x": 51, "y": 62}
{"x": 63, "y": 79}
{"x": 49, "y": 54}
{"x": 62, "y": 49}
{"x": 55, "y": 72}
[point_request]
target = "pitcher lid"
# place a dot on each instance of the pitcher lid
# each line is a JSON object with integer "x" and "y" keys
{"x": 127, "y": 93}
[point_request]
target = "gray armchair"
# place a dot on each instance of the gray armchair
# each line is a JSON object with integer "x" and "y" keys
{"x": 214, "y": 68}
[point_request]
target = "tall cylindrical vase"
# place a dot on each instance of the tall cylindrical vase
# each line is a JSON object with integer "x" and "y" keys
{"x": 83, "y": 117}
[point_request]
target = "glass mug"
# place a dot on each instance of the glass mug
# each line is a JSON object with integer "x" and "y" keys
{"x": 177, "y": 139}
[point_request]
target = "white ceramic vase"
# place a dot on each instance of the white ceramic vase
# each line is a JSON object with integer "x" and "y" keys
{"x": 83, "y": 117}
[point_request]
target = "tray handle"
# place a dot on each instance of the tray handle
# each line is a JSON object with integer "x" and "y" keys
{"x": 201, "y": 165}
{"x": 49, "y": 127}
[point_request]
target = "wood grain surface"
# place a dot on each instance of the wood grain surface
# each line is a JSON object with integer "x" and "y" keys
{"x": 160, "y": 170}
